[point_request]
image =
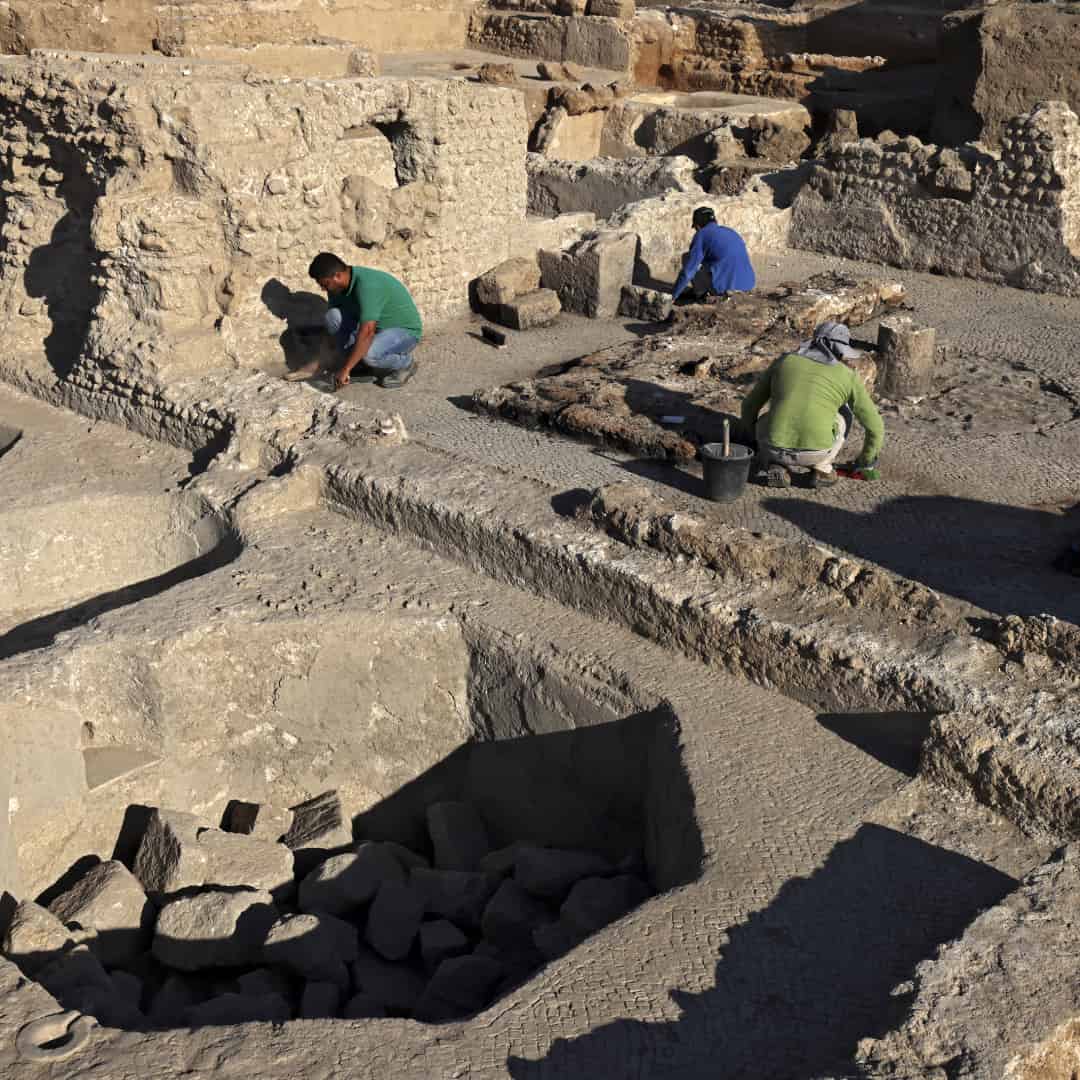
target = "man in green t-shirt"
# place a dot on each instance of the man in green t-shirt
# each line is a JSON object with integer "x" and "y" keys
{"x": 374, "y": 320}
{"x": 808, "y": 392}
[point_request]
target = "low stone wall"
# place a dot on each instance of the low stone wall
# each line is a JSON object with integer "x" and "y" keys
{"x": 593, "y": 41}
{"x": 1012, "y": 218}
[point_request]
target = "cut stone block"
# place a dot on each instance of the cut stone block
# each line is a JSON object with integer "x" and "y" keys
{"x": 394, "y": 920}
{"x": 35, "y": 937}
{"x": 512, "y": 915}
{"x": 264, "y": 981}
{"x": 363, "y": 1007}
{"x": 128, "y": 988}
{"x": 234, "y": 860}
{"x": 590, "y": 276}
{"x": 319, "y": 823}
{"x": 394, "y": 986}
{"x": 596, "y": 902}
{"x": 406, "y": 856}
{"x": 456, "y": 895}
{"x": 555, "y": 940}
{"x": 905, "y": 356}
{"x": 649, "y": 305}
{"x": 170, "y": 857}
{"x": 460, "y": 986}
{"x": 320, "y": 1001}
{"x": 458, "y": 835}
{"x": 500, "y": 863}
{"x": 110, "y": 901}
{"x": 508, "y": 281}
{"x": 439, "y": 941}
{"x": 540, "y": 308}
{"x": 213, "y": 929}
{"x": 315, "y": 947}
{"x": 613, "y": 9}
{"x": 260, "y": 820}
{"x": 171, "y": 1003}
{"x": 344, "y": 882}
{"x": 239, "y": 1009}
{"x": 551, "y": 872}
{"x": 74, "y": 970}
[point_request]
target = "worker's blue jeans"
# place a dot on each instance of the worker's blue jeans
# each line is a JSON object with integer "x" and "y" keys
{"x": 390, "y": 349}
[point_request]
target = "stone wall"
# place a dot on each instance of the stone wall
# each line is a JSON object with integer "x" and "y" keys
{"x": 141, "y": 25}
{"x": 159, "y": 215}
{"x": 1011, "y": 217}
{"x": 593, "y": 41}
{"x": 998, "y": 61}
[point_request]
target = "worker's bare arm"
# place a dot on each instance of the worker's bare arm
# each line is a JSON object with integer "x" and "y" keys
{"x": 364, "y": 337}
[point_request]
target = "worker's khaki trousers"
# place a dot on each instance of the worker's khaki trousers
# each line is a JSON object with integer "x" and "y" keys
{"x": 819, "y": 460}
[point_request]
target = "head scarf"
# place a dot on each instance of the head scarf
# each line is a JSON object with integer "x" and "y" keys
{"x": 830, "y": 344}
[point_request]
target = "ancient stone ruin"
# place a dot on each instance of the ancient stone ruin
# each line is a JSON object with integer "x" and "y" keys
{"x": 451, "y": 730}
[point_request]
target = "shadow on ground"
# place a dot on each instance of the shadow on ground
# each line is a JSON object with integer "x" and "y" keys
{"x": 805, "y": 978}
{"x": 995, "y": 556}
{"x": 893, "y": 738}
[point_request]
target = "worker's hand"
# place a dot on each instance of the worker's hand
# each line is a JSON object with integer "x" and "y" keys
{"x": 341, "y": 378}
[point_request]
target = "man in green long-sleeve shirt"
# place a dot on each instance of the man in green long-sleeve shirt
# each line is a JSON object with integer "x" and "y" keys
{"x": 805, "y": 392}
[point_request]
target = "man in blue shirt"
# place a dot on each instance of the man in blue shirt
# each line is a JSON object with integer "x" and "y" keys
{"x": 724, "y": 254}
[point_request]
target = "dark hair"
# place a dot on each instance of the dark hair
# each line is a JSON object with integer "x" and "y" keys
{"x": 703, "y": 215}
{"x": 325, "y": 265}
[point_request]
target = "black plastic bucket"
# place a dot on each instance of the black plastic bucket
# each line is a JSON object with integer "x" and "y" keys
{"x": 725, "y": 477}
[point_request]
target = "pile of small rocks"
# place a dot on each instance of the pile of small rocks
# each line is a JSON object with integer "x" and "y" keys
{"x": 280, "y": 916}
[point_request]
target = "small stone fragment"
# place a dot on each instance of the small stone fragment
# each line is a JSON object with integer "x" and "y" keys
{"x": 539, "y": 308}
{"x": 344, "y": 882}
{"x": 454, "y": 894}
{"x": 458, "y": 835}
{"x": 460, "y": 986}
{"x": 235, "y": 860}
{"x": 363, "y": 1007}
{"x": 260, "y": 820}
{"x": 170, "y": 857}
{"x": 217, "y": 928}
{"x": 550, "y": 872}
{"x": 35, "y": 937}
{"x": 440, "y": 940}
{"x": 394, "y": 920}
{"x": 596, "y": 902}
{"x": 320, "y": 1001}
{"x": 110, "y": 901}
{"x": 649, "y": 305}
{"x": 239, "y": 1009}
{"x": 512, "y": 915}
{"x": 318, "y": 823}
{"x": 315, "y": 947}
{"x": 395, "y": 986}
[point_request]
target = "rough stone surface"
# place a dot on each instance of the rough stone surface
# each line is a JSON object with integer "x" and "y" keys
{"x": 595, "y": 902}
{"x": 590, "y": 276}
{"x": 176, "y": 995}
{"x": 235, "y": 860}
{"x": 393, "y": 986}
{"x": 363, "y": 1007}
{"x": 170, "y": 857}
{"x": 35, "y": 937}
{"x": 533, "y": 310}
{"x": 394, "y": 920}
{"x": 905, "y": 358}
{"x": 260, "y": 821}
{"x": 458, "y": 835}
{"x": 213, "y": 929}
{"x": 320, "y": 1001}
{"x": 315, "y": 947}
{"x": 318, "y": 823}
{"x": 239, "y": 1009}
{"x": 344, "y": 882}
{"x": 551, "y": 873}
{"x": 440, "y": 940}
{"x": 460, "y": 986}
{"x": 636, "y": 302}
{"x": 454, "y": 894}
{"x": 110, "y": 901}
{"x": 508, "y": 281}
{"x": 512, "y": 915}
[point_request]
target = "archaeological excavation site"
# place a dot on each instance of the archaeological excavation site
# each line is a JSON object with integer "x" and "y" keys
{"x": 540, "y": 539}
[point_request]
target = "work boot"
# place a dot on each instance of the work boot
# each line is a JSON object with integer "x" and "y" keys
{"x": 363, "y": 373}
{"x": 819, "y": 479}
{"x": 394, "y": 380}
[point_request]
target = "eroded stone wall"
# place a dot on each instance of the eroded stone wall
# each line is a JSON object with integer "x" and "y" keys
{"x": 1011, "y": 217}
{"x": 159, "y": 215}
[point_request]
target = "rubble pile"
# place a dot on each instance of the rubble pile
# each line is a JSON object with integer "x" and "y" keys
{"x": 281, "y": 916}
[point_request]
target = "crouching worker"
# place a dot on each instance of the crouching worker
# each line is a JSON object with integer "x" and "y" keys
{"x": 807, "y": 392}
{"x": 373, "y": 320}
{"x": 722, "y": 252}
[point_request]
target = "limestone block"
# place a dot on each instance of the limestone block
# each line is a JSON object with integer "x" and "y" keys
{"x": 539, "y": 308}
{"x": 460, "y": 986}
{"x": 170, "y": 857}
{"x": 508, "y": 280}
{"x": 239, "y": 1009}
{"x": 550, "y": 872}
{"x": 905, "y": 356}
{"x": 394, "y": 986}
{"x": 369, "y": 222}
{"x": 320, "y": 1001}
{"x": 613, "y": 9}
{"x": 362, "y": 64}
{"x": 439, "y": 940}
{"x": 512, "y": 915}
{"x": 110, "y": 901}
{"x": 595, "y": 902}
{"x": 394, "y": 920}
{"x": 458, "y": 835}
{"x": 318, "y": 823}
{"x": 316, "y": 947}
{"x": 213, "y": 929}
{"x": 590, "y": 276}
{"x": 232, "y": 859}
{"x": 35, "y": 937}
{"x": 454, "y": 894}
{"x": 346, "y": 881}
{"x": 497, "y": 74}
{"x": 260, "y": 820}
{"x": 363, "y": 1007}
{"x": 570, "y": 7}
{"x": 551, "y": 71}
{"x": 649, "y": 305}
{"x": 571, "y": 138}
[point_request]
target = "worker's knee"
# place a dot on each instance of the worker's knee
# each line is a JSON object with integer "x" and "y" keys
{"x": 332, "y": 320}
